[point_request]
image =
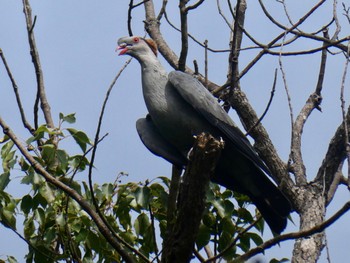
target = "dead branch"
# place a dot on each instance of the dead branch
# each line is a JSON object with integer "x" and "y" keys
{"x": 335, "y": 155}
{"x": 268, "y": 104}
{"x": 131, "y": 6}
{"x": 184, "y": 35}
{"x": 193, "y": 38}
{"x": 343, "y": 111}
{"x": 16, "y": 91}
{"x": 194, "y": 6}
{"x": 179, "y": 244}
{"x": 41, "y": 93}
{"x": 279, "y": 37}
{"x": 236, "y": 41}
{"x": 313, "y": 102}
{"x": 162, "y": 10}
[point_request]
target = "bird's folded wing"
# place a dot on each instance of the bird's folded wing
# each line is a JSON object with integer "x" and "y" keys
{"x": 195, "y": 94}
{"x": 156, "y": 143}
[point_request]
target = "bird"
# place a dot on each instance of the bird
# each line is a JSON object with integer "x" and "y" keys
{"x": 180, "y": 107}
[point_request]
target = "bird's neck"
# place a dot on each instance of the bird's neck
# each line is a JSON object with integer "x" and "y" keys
{"x": 154, "y": 79}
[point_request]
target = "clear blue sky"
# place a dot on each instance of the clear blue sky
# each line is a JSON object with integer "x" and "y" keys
{"x": 76, "y": 41}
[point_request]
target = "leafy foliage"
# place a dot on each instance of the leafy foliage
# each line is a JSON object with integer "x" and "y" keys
{"x": 57, "y": 229}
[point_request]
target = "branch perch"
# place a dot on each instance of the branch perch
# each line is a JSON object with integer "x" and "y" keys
{"x": 179, "y": 244}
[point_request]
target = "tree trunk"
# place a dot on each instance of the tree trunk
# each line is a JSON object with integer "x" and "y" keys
{"x": 312, "y": 212}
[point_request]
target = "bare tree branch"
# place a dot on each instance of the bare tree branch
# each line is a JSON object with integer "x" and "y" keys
{"x": 268, "y": 104}
{"x": 18, "y": 98}
{"x": 280, "y": 36}
{"x": 194, "y": 6}
{"x": 184, "y": 35}
{"x": 335, "y": 155}
{"x": 131, "y": 6}
{"x": 41, "y": 94}
{"x": 343, "y": 110}
{"x": 294, "y": 235}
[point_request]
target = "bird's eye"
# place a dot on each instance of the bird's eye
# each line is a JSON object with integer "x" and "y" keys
{"x": 136, "y": 39}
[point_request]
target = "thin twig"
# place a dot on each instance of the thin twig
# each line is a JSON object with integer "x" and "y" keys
{"x": 194, "y": 39}
{"x": 156, "y": 251}
{"x": 16, "y": 91}
{"x": 322, "y": 72}
{"x": 162, "y": 10}
{"x": 335, "y": 17}
{"x": 234, "y": 241}
{"x": 131, "y": 6}
{"x": 92, "y": 159}
{"x": 346, "y": 12}
{"x": 268, "y": 104}
{"x": 206, "y": 63}
{"x": 280, "y": 36}
{"x": 194, "y": 6}
{"x": 286, "y": 88}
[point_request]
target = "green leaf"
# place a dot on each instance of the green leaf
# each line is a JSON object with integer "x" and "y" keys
{"x": 209, "y": 219}
{"x": 220, "y": 206}
{"x": 40, "y": 215}
{"x": 256, "y": 238}
{"x": 80, "y": 137}
{"x": 4, "y": 180}
{"x": 4, "y": 139}
{"x": 203, "y": 236}
{"x": 143, "y": 196}
{"x": 46, "y": 191}
{"x": 141, "y": 224}
{"x": 60, "y": 221}
{"x": 78, "y": 162}
{"x": 128, "y": 236}
{"x": 62, "y": 157}
{"x": 70, "y": 118}
{"x": 225, "y": 240}
{"x": 227, "y": 225}
{"x": 29, "y": 228}
{"x": 7, "y": 218}
{"x": 26, "y": 204}
{"x": 5, "y": 150}
{"x": 48, "y": 153}
{"x": 11, "y": 259}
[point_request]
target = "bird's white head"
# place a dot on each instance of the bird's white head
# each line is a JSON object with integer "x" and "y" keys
{"x": 136, "y": 46}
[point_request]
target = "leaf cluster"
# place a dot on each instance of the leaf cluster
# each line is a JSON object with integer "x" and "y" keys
{"x": 56, "y": 228}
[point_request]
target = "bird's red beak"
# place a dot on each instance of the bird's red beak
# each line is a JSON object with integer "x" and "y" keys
{"x": 123, "y": 49}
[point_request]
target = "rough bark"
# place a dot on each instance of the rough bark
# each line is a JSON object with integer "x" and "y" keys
{"x": 312, "y": 213}
{"x": 179, "y": 244}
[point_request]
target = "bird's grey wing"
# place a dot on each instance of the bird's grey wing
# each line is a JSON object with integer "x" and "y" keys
{"x": 207, "y": 105}
{"x": 156, "y": 143}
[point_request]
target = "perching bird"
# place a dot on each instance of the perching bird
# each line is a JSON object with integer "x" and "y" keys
{"x": 180, "y": 107}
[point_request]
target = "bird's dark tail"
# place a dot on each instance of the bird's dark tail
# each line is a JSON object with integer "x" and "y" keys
{"x": 274, "y": 209}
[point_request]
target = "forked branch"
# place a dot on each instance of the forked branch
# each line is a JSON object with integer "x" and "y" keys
{"x": 41, "y": 93}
